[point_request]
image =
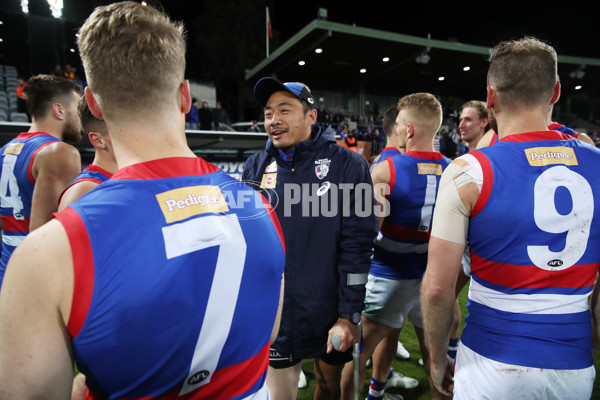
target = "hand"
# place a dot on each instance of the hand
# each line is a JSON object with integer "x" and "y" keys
{"x": 346, "y": 331}
{"x": 441, "y": 375}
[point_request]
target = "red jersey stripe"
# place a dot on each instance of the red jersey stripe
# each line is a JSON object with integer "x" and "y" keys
{"x": 225, "y": 383}
{"x": 530, "y": 276}
{"x": 10, "y": 224}
{"x": 83, "y": 268}
{"x": 488, "y": 182}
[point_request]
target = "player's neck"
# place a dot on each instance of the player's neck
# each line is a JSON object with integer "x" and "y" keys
{"x": 136, "y": 143}
{"x": 47, "y": 127}
{"x": 108, "y": 164}
{"x": 525, "y": 121}
{"x": 419, "y": 145}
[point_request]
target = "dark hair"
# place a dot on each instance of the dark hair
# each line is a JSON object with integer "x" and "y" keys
{"x": 44, "y": 90}
{"x": 89, "y": 123}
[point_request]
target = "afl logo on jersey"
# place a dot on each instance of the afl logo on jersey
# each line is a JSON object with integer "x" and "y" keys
{"x": 555, "y": 263}
{"x": 198, "y": 377}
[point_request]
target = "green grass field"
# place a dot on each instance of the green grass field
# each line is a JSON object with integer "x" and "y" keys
{"x": 409, "y": 367}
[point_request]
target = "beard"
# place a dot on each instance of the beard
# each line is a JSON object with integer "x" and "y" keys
{"x": 71, "y": 131}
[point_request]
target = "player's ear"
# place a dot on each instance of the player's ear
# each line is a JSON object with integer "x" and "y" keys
{"x": 93, "y": 106}
{"x": 410, "y": 130}
{"x": 491, "y": 97}
{"x": 97, "y": 140}
{"x": 58, "y": 111}
{"x": 185, "y": 97}
{"x": 556, "y": 93}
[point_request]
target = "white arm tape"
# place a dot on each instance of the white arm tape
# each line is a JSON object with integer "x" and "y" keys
{"x": 450, "y": 216}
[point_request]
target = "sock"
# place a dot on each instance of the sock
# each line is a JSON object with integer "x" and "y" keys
{"x": 391, "y": 374}
{"x": 452, "y": 348}
{"x": 376, "y": 389}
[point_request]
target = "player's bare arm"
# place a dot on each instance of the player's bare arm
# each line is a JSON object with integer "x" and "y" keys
{"x": 36, "y": 360}
{"x": 54, "y": 168}
{"x": 381, "y": 185}
{"x": 456, "y": 198}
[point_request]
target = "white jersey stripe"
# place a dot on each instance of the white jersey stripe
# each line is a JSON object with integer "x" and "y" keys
{"x": 528, "y": 303}
{"x": 12, "y": 240}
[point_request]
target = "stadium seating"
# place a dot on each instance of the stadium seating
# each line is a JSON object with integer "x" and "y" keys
{"x": 8, "y": 95}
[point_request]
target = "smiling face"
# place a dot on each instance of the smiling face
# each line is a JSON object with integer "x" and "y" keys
{"x": 286, "y": 121}
{"x": 471, "y": 126}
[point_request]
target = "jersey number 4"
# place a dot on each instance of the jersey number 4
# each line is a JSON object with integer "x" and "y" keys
{"x": 9, "y": 188}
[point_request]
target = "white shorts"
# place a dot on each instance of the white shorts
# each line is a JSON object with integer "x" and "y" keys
{"x": 390, "y": 301}
{"x": 478, "y": 377}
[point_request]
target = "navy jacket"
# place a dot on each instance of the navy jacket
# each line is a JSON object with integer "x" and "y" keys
{"x": 324, "y": 202}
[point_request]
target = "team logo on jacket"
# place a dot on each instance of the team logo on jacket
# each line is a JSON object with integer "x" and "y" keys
{"x": 271, "y": 168}
{"x": 269, "y": 181}
{"x": 322, "y": 167}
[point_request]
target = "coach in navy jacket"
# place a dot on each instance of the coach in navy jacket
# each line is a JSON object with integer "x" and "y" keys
{"x": 322, "y": 195}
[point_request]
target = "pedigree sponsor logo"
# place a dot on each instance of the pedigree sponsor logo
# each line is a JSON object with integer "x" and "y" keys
{"x": 14, "y": 148}
{"x": 182, "y": 203}
{"x": 540, "y": 156}
{"x": 429, "y": 169}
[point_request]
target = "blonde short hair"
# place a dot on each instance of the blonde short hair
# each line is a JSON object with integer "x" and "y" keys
{"x": 426, "y": 106}
{"x": 133, "y": 56}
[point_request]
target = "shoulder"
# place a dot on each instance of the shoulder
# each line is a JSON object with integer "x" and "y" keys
{"x": 59, "y": 149}
{"x": 74, "y": 192}
{"x": 253, "y": 162}
{"x": 381, "y": 172}
{"x": 256, "y": 158}
{"x": 486, "y": 140}
{"x": 59, "y": 156}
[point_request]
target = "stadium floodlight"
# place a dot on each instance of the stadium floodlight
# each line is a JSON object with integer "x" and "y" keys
{"x": 578, "y": 73}
{"x": 423, "y": 58}
{"x": 322, "y": 13}
{"x": 56, "y": 7}
{"x": 25, "y": 6}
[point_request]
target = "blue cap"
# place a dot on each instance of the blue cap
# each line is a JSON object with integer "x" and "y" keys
{"x": 265, "y": 87}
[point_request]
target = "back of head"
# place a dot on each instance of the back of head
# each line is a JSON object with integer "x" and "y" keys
{"x": 89, "y": 123}
{"x": 389, "y": 120}
{"x": 425, "y": 110}
{"x": 523, "y": 72}
{"x": 134, "y": 58}
{"x": 44, "y": 90}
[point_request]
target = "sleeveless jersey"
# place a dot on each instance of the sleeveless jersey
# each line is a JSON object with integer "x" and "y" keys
{"x": 91, "y": 173}
{"x": 555, "y": 126}
{"x": 534, "y": 251}
{"x": 384, "y": 155}
{"x": 178, "y": 270}
{"x": 16, "y": 189}
{"x": 401, "y": 247}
